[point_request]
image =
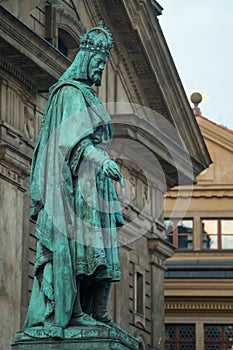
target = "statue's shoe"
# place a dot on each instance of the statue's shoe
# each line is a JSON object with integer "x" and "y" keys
{"x": 112, "y": 324}
{"x": 56, "y": 332}
{"x": 109, "y": 322}
{"x": 86, "y": 320}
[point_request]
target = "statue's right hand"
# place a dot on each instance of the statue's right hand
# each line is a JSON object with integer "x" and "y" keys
{"x": 111, "y": 170}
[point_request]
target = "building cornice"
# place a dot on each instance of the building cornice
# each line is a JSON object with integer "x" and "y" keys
{"x": 31, "y": 55}
{"x": 176, "y": 162}
{"x": 163, "y": 69}
{"x": 202, "y": 191}
{"x": 18, "y": 75}
{"x": 201, "y": 288}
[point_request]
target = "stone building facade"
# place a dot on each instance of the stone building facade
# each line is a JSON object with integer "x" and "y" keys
{"x": 38, "y": 40}
{"x": 199, "y": 279}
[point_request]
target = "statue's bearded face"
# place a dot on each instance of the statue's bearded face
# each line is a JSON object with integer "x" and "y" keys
{"x": 95, "y": 68}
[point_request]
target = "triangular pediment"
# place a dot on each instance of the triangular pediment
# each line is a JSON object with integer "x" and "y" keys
{"x": 219, "y": 141}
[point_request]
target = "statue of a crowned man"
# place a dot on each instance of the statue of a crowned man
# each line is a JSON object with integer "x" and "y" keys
{"x": 74, "y": 201}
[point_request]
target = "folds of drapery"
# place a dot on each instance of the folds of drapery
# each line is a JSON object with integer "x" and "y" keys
{"x": 56, "y": 206}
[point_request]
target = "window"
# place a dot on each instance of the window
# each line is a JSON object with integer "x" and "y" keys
{"x": 217, "y": 233}
{"x": 180, "y": 337}
{"x": 139, "y": 291}
{"x": 139, "y": 297}
{"x": 180, "y": 232}
{"x": 218, "y": 337}
{"x": 66, "y": 44}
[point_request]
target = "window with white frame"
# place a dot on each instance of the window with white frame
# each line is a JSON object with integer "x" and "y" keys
{"x": 217, "y": 233}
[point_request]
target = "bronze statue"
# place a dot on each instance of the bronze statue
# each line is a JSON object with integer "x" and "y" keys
{"x": 74, "y": 201}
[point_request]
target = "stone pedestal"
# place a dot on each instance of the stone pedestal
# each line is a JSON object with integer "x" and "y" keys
{"x": 80, "y": 338}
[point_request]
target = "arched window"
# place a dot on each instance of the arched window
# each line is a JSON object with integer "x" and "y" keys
{"x": 63, "y": 29}
{"x": 66, "y": 44}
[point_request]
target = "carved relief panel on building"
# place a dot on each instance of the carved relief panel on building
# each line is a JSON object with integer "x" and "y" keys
{"x": 137, "y": 190}
{"x": 11, "y": 105}
{"x": 18, "y": 116}
{"x": 29, "y": 123}
{"x": 11, "y": 113}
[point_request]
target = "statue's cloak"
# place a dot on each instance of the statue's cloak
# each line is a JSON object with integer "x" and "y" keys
{"x": 70, "y": 229}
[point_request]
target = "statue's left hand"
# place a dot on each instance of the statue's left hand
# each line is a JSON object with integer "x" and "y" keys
{"x": 111, "y": 170}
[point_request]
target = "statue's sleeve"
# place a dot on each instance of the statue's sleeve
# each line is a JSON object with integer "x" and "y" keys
{"x": 86, "y": 150}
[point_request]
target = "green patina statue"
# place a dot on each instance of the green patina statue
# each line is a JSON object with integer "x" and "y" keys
{"x": 74, "y": 201}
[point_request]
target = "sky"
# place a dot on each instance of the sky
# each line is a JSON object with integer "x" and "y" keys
{"x": 199, "y": 34}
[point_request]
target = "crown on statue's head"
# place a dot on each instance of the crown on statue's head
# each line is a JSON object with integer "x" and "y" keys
{"x": 97, "y": 39}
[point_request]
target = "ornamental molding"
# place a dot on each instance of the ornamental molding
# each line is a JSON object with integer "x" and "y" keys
{"x": 198, "y": 191}
{"x": 198, "y": 306}
{"x": 159, "y": 249}
{"x": 15, "y": 73}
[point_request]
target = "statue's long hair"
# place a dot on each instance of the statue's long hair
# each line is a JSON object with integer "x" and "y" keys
{"x": 79, "y": 68}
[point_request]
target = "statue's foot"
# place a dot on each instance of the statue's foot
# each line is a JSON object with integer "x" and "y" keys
{"x": 108, "y": 321}
{"x": 112, "y": 324}
{"x": 86, "y": 320}
{"x": 56, "y": 332}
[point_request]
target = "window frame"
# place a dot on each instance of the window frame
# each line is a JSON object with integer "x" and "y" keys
{"x": 222, "y": 342}
{"x": 219, "y": 233}
{"x": 175, "y": 235}
{"x": 177, "y": 342}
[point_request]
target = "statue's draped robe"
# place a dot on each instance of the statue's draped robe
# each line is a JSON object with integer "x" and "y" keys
{"x": 74, "y": 203}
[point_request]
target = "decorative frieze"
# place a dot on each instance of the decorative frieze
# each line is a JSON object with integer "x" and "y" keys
{"x": 198, "y": 306}
{"x": 15, "y": 73}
